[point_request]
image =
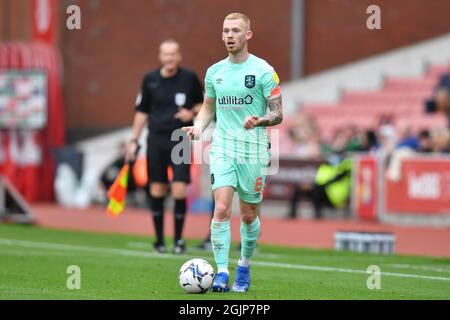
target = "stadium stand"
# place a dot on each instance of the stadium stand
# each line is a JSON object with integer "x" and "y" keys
{"x": 394, "y": 84}
{"x": 401, "y": 98}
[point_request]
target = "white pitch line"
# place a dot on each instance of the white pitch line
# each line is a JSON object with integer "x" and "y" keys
{"x": 147, "y": 246}
{"x": 343, "y": 270}
{"x": 419, "y": 267}
{"x": 138, "y": 253}
{"x": 71, "y": 247}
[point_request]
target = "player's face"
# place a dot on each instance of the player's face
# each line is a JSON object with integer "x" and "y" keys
{"x": 170, "y": 55}
{"x": 235, "y": 35}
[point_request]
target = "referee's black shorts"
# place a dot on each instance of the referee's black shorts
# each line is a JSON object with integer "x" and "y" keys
{"x": 159, "y": 149}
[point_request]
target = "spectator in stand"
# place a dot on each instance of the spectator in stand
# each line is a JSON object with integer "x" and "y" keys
{"x": 346, "y": 139}
{"x": 368, "y": 141}
{"x": 387, "y": 137}
{"x": 305, "y": 136}
{"x": 441, "y": 98}
{"x": 406, "y": 138}
{"x": 424, "y": 141}
{"x": 444, "y": 81}
{"x": 353, "y": 139}
{"x": 441, "y": 140}
{"x": 341, "y": 139}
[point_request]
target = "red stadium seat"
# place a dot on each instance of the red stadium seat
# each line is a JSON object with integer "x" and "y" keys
{"x": 401, "y": 98}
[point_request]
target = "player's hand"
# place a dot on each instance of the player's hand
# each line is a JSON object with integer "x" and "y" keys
{"x": 131, "y": 152}
{"x": 192, "y": 132}
{"x": 184, "y": 115}
{"x": 251, "y": 122}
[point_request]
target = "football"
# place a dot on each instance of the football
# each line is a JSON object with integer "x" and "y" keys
{"x": 196, "y": 276}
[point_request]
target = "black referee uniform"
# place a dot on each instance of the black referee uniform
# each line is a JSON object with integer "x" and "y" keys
{"x": 161, "y": 98}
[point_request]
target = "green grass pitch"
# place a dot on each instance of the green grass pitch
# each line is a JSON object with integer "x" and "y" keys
{"x": 34, "y": 262}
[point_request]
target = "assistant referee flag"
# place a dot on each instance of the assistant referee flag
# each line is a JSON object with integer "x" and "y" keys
{"x": 117, "y": 193}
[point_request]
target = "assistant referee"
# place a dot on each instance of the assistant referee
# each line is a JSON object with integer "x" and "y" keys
{"x": 169, "y": 99}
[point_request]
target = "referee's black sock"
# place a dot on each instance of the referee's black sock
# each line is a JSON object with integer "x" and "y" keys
{"x": 180, "y": 214}
{"x": 157, "y": 207}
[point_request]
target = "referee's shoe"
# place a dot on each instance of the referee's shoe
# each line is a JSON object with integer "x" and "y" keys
{"x": 180, "y": 247}
{"x": 160, "y": 247}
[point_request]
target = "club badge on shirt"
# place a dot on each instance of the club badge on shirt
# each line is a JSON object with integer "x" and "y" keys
{"x": 250, "y": 81}
{"x": 180, "y": 99}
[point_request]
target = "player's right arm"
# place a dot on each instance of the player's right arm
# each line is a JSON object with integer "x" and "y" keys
{"x": 207, "y": 111}
{"x": 204, "y": 118}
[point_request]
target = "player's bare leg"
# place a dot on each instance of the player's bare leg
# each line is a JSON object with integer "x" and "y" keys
{"x": 223, "y": 198}
{"x": 250, "y": 227}
{"x": 179, "y": 191}
{"x": 249, "y": 211}
{"x": 221, "y": 236}
{"x": 158, "y": 192}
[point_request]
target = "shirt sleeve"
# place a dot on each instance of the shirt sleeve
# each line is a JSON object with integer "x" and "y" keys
{"x": 143, "y": 99}
{"x": 197, "y": 94}
{"x": 209, "y": 85}
{"x": 270, "y": 83}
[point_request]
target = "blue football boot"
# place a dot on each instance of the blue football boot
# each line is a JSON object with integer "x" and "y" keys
{"x": 242, "y": 281}
{"x": 220, "y": 283}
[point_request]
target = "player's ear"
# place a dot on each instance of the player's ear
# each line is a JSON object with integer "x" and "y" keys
{"x": 249, "y": 34}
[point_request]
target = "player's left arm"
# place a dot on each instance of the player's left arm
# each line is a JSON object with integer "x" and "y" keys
{"x": 275, "y": 115}
{"x": 196, "y": 108}
{"x": 272, "y": 118}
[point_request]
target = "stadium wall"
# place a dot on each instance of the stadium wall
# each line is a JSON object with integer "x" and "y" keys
{"x": 15, "y": 20}
{"x": 336, "y": 31}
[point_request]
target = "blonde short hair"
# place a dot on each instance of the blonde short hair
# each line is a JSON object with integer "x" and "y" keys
{"x": 236, "y": 16}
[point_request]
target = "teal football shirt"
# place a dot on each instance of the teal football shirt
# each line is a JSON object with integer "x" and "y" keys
{"x": 240, "y": 90}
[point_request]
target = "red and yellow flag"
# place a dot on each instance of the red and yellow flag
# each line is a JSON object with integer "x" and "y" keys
{"x": 118, "y": 193}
